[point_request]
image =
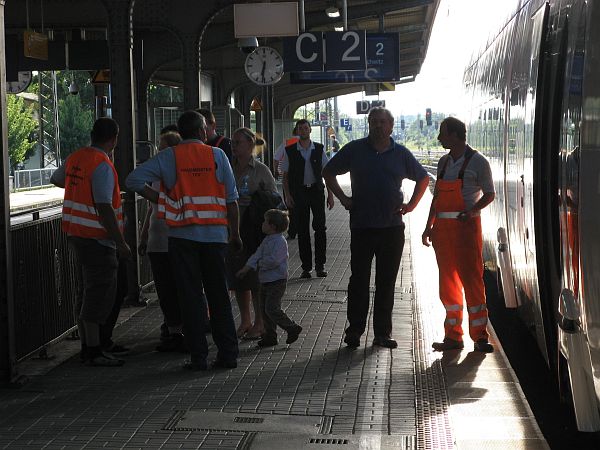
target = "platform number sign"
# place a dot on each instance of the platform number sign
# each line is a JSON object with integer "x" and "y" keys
{"x": 346, "y": 124}
{"x": 315, "y": 52}
{"x": 346, "y": 50}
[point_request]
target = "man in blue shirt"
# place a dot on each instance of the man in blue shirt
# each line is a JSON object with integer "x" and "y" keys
{"x": 197, "y": 247}
{"x": 377, "y": 166}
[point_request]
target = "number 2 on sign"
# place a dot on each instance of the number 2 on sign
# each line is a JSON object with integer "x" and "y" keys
{"x": 351, "y": 35}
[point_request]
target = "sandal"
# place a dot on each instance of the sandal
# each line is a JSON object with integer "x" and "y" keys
{"x": 104, "y": 361}
{"x": 251, "y": 337}
{"x": 242, "y": 331}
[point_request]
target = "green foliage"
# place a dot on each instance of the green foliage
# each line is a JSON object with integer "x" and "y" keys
{"x": 160, "y": 94}
{"x": 20, "y": 130}
{"x": 75, "y": 122}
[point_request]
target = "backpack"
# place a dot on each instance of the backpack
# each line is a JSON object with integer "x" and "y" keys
{"x": 251, "y": 222}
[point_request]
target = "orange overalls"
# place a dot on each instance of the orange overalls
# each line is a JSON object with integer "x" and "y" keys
{"x": 458, "y": 246}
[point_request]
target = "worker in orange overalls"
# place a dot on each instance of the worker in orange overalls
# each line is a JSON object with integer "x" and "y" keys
{"x": 463, "y": 188}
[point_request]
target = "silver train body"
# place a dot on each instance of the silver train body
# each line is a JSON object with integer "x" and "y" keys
{"x": 534, "y": 95}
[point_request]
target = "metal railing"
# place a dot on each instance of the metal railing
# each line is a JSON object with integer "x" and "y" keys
{"x": 44, "y": 284}
{"x": 44, "y": 277}
{"x": 33, "y": 177}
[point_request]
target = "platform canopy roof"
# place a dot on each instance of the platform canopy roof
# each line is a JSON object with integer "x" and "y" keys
{"x": 160, "y": 27}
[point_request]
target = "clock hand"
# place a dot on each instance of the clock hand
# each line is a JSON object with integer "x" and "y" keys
{"x": 262, "y": 73}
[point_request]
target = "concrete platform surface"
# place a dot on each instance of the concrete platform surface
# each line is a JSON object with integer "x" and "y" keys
{"x": 314, "y": 393}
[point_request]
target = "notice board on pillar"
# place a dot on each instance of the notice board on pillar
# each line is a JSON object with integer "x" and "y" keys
{"x": 265, "y": 19}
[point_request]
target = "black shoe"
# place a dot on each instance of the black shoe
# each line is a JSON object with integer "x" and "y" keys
{"x": 305, "y": 274}
{"x": 104, "y": 360}
{"x": 385, "y": 342}
{"x": 352, "y": 341}
{"x": 267, "y": 342}
{"x": 321, "y": 273}
{"x": 223, "y": 364}
{"x": 175, "y": 343}
{"x": 164, "y": 332}
{"x": 483, "y": 346}
{"x": 137, "y": 301}
{"x": 117, "y": 350}
{"x": 448, "y": 344}
{"x": 195, "y": 365}
{"x": 293, "y": 333}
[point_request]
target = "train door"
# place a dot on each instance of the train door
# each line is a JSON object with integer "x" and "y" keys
{"x": 579, "y": 200}
{"x": 523, "y": 91}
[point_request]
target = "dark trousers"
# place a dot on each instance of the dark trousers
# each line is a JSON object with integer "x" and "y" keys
{"x": 292, "y": 228}
{"x": 270, "y": 306}
{"x": 166, "y": 287}
{"x": 96, "y": 268}
{"x": 305, "y": 201}
{"x": 106, "y": 329}
{"x": 385, "y": 244}
{"x": 200, "y": 267}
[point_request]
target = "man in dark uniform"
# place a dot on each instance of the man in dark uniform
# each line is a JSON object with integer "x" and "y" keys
{"x": 213, "y": 138}
{"x": 304, "y": 190}
{"x": 377, "y": 166}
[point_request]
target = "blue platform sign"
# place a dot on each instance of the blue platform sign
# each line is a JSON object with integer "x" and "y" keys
{"x": 345, "y": 123}
{"x": 345, "y": 50}
{"x": 303, "y": 53}
{"x": 383, "y": 64}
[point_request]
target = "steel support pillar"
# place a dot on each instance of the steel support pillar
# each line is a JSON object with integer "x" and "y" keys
{"x": 191, "y": 71}
{"x": 120, "y": 39}
{"x": 8, "y": 370}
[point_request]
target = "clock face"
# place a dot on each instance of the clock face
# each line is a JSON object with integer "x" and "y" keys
{"x": 22, "y": 83}
{"x": 264, "y": 66}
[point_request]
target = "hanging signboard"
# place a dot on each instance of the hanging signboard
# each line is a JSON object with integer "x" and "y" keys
{"x": 35, "y": 45}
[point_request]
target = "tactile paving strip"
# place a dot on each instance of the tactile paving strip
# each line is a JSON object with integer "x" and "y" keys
{"x": 434, "y": 430}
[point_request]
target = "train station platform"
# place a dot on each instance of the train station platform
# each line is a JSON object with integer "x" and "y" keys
{"x": 313, "y": 394}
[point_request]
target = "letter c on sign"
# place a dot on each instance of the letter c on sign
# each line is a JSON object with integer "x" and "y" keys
{"x": 313, "y": 38}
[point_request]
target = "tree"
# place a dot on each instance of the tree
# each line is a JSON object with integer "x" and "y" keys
{"x": 75, "y": 122}
{"x": 21, "y": 126}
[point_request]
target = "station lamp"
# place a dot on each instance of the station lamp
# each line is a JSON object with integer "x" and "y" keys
{"x": 332, "y": 11}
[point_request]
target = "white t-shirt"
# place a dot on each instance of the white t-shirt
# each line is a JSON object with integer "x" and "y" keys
{"x": 158, "y": 232}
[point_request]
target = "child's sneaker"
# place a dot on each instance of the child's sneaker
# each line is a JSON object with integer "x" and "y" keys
{"x": 293, "y": 333}
{"x": 267, "y": 342}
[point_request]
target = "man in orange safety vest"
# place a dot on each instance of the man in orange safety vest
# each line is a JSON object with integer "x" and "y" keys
{"x": 92, "y": 217}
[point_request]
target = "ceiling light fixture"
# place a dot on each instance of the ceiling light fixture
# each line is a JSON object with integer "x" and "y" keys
{"x": 340, "y": 28}
{"x": 332, "y": 12}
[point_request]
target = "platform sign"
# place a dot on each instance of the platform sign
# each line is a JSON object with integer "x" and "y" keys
{"x": 383, "y": 64}
{"x": 344, "y": 123}
{"x": 365, "y": 106}
{"x": 345, "y": 50}
{"x": 303, "y": 53}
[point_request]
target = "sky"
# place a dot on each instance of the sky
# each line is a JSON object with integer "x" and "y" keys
{"x": 459, "y": 29}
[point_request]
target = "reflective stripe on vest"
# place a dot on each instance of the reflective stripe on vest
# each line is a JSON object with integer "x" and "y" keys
{"x": 80, "y": 217}
{"x": 197, "y": 198}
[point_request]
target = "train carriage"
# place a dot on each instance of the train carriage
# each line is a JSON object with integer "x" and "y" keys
{"x": 534, "y": 91}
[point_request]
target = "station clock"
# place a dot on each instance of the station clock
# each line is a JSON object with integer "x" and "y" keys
{"x": 264, "y": 66}
{"x": 23, "y": 81}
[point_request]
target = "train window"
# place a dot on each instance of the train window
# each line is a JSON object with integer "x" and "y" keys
{"x": 569, "y": 160}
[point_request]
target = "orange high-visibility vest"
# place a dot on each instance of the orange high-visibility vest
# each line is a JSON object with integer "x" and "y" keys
{"x": 291, "y": 141}
{"x": 79, "y": 216}
{"x": 197, "y": 198}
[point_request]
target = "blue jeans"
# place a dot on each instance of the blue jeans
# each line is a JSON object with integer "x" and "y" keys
{"x": 198, "y": 267}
